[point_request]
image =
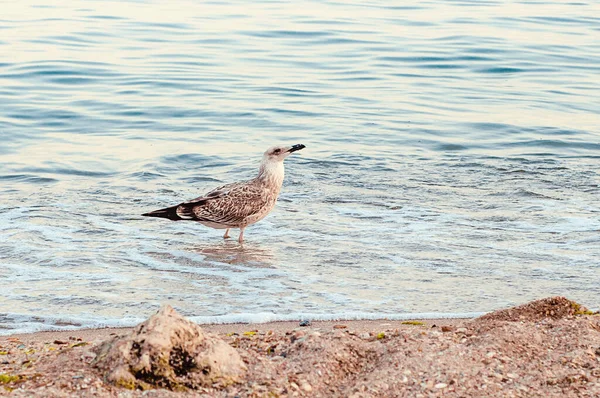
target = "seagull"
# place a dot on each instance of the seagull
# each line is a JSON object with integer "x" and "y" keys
{"x": 239, "y": 204}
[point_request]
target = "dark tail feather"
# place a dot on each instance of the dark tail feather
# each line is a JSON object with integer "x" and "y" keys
{"x": 169, "y": 212}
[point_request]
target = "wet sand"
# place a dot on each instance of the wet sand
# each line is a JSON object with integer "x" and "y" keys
{"x": 357, "y": 326}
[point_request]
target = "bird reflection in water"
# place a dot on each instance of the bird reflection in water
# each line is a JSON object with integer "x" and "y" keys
{"x": 229, "y": 252}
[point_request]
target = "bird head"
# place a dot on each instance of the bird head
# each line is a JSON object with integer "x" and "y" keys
{"x": 278, "y": 153}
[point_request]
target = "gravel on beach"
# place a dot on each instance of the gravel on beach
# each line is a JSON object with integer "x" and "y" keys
{"x": 549, "y": 348}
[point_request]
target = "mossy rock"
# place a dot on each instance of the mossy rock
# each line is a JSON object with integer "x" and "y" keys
{"x": 8, "y": 379}
{"x": 414, "y": 323}
{"x": 552, "y": 307}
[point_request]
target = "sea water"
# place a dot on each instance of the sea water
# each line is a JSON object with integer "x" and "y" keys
{"x": 451, "y": 166}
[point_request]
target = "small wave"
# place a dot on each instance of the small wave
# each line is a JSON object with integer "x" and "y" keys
{"x": 11, "y": 323}
{"x": 531, "y": 194}
{"x": 546, "y": 143}
{"x": 196, "y": 179}
{"x": 28, "y": 178}
{"x": 107, "y": 17}
{"x": 451, "y": 147}
{"x": 66, "y": 171}
{"x": 501, "y": 70}
{"x": 195, "y": 159}
{"x": 281, "y": 34}
{"x": 265, "y": 317}
{"x": 145, "y": 175}
{"x": 292, "y": 112}
{"x": 287, "y": 91}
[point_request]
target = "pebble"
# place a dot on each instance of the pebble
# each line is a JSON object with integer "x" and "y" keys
{"x": 441, "y": 385}
{"x": 305, "y": 323}
{"x": 306, "y": 387}
{"x": 298, "y": 336}
{"x": 340, "y": 326}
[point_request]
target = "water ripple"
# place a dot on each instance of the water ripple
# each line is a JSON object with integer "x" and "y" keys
{"x": 451, "y": 146}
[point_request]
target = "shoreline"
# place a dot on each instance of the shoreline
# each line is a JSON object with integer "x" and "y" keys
{"x": 36, "y": 324}
{"x": 358, "y": 326}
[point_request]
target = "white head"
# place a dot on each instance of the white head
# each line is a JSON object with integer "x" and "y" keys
{"x": 271, "y": 167}
{"x": 278, "y": 153}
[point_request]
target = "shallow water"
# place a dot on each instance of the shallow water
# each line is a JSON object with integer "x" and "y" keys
{"x": 452, "y": 161}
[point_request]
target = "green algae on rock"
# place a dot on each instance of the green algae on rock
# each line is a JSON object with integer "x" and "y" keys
{"x": 414, "y": 323}
{"x": 552, "y": 307}
{"x": 7, "y": 379}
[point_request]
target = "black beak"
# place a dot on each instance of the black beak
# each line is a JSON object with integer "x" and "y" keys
{"x": 296, "y": 147}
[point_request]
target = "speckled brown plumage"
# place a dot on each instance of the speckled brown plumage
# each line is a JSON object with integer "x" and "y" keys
{"x": 239, "y": 204}
{"x": 232, "y": 205}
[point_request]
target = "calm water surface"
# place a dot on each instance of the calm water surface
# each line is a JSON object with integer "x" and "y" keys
{"x": 452, "y": 161}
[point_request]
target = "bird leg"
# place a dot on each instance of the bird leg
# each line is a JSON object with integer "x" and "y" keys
{"x": 241, "y": 239}
{"x": 226, "y": 234}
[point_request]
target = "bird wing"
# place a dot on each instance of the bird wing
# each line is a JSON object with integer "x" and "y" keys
{"x": 230, "y": 204}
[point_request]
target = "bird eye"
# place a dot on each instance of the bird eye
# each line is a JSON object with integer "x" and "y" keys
{"x": 276, "y": 151}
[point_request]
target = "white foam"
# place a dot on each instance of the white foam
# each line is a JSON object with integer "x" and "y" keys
{"x": 265, "y": 317}
{"x": 19, "y": 323}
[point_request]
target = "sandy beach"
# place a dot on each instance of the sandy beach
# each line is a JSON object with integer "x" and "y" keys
{"x": 240, "y": 328}
{"x": 548, "y": 348}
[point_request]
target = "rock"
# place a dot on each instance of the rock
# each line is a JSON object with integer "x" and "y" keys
{"x": 306, "y": 387}
{"x": 441, "y": 385}
{"x": 305, "y": 323}
{"x": 298, "y": 335}
{"x": 551, "y": 307}
{"x": 340, "y": 326}
{"x": 169, "y": 351}
{"x": 447, "y": 328}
